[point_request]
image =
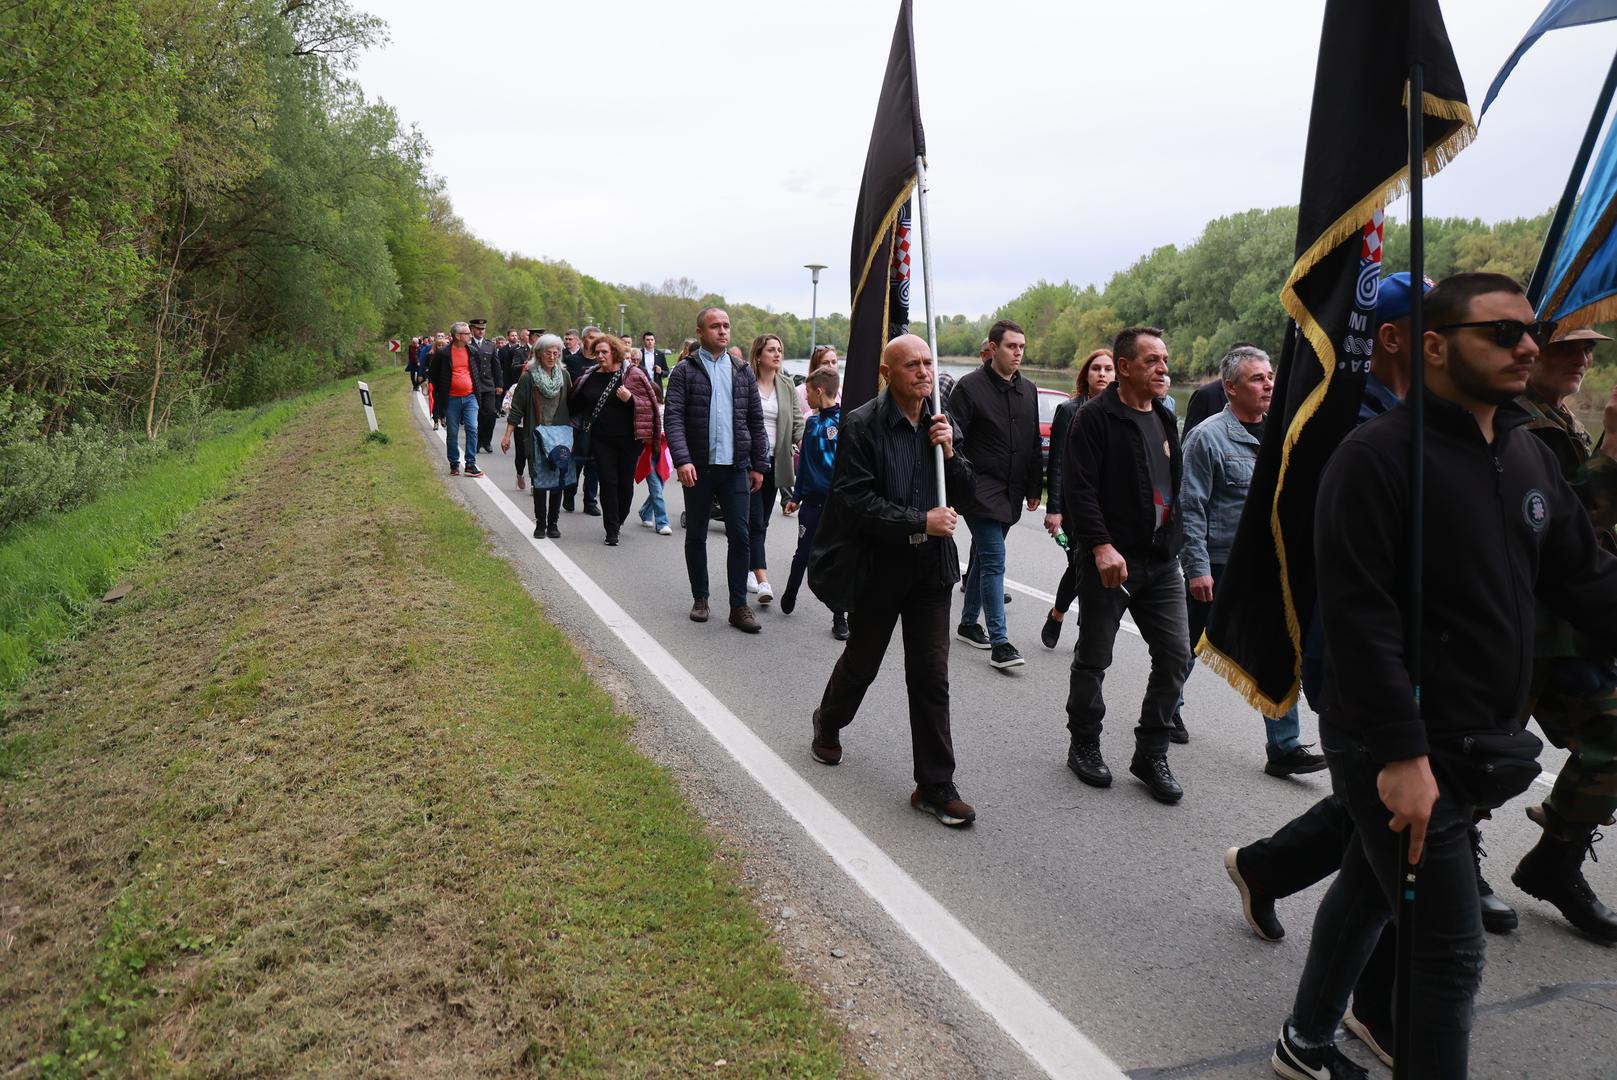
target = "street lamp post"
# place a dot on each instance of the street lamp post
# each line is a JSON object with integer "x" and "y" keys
{"x": 621, "y": 309}
{"x": 814, "y": 304}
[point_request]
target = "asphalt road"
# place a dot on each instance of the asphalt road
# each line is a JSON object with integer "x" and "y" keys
{"x": 1117, "y": 909}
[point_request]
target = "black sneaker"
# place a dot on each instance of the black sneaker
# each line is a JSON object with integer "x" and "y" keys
{"x": 473, "y": 472}
{"x": 1295, "y": 762}
{"x": 1258, "y": 909}
{"x": 592, "y": 509}
{"x": 552, "y": 532}
{"x": 1312, "y": 1063}
{"x": 943, "y": 802}
{"x": 1051, "y": 634}
{"x": 454, "y": 470}
{"x": 567, "y": 501}
{"x": 1375, "y": 1035}
{"x": 973, "y": 635}
{"x": 839, "y": 625}
{"x": 1152, "y": 771}
{"x": 788, "y": 600}
{"x": 538, "y": 530}
{"x": 1176, "y": 731}
{"x": 1005, "y": 656}
{"x": 1084, "y": 759}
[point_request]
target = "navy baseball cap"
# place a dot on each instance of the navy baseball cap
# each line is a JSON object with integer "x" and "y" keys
{"x": 1393, "y": 301}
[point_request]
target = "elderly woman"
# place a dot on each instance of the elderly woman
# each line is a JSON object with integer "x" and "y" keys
{"x": 616, "y": 405}
{"x": 540, "y": 399}
{"x": 783, "y": 430}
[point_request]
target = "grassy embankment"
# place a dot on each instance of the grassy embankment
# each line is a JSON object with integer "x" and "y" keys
{"x": 56, "y": 567}
{"x": 327, "y": 794}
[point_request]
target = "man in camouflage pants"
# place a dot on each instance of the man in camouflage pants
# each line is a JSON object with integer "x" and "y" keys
{"x": 1574, "y": 693}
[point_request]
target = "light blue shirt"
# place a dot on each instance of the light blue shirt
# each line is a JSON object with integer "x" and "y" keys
{"x": 721, "y": 416}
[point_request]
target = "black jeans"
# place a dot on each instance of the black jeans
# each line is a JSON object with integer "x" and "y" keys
{"x": 519, "y": 439}
{"x": 586, "y": 474}
{"x": 1448, "y": 948}
{"x": 729, "y": 484}
{"x": 1156, "y": 599}
{"x": 925, "y": 611}
{"x": 615, "y": 459}
{"x": 762, "y": 505}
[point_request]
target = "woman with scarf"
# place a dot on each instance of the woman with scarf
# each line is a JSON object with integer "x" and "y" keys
{"x": 540, "y": 401}
{"x": 617, "y": 406}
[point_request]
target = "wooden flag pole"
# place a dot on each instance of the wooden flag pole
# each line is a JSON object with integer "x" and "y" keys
{"x": 931, "y": 323}
{"x": 1569, "y": 197}
{"x": 1404, "y": 992}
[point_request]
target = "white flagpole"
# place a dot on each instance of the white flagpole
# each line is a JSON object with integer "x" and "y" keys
{"x": 931, "y": 323}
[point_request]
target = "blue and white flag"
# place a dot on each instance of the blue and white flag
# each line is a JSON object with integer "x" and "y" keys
{"x": 1557, "y": 15}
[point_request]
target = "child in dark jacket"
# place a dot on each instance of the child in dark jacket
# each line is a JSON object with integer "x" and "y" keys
{"x": 815, "y": 464}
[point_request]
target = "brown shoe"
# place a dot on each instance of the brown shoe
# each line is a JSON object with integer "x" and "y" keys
{"x": 743, "y": 619}
{"x": 825, "y": 746}
{"x": 943, "y": 802}
{"x": 699, "y": 610}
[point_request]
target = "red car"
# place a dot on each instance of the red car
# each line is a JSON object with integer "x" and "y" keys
{"x": 1048, "y": 400}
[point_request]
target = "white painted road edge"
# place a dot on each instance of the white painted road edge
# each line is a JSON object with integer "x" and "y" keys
{"x": 1043, "y": 1033}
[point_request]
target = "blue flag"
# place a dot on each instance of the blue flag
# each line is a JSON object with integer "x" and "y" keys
{"x": 1582, "y": 287}
{"x": 1557, "y": 15}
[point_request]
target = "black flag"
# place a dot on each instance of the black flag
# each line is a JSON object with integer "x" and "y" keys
{"x": 1355, "y": 163}
{"x": 879, "y": 265}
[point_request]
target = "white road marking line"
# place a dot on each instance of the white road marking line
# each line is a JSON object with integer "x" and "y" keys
{"x": 1043, "y": 1033}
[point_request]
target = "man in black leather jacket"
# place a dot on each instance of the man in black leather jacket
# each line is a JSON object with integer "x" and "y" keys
{"x": 884, "y": 552}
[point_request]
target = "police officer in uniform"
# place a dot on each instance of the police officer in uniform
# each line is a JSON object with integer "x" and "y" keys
{"x": 482, "y": 357}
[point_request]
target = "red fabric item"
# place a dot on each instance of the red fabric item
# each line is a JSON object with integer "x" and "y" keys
{"x": 460, "y": 378}
{"x": 665, "y": 463}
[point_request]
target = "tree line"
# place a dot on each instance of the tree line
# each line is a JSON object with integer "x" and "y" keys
{"x": 205, "y": 209}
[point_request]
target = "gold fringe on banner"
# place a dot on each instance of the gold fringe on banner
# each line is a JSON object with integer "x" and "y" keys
{"x": 1349, "y": 225}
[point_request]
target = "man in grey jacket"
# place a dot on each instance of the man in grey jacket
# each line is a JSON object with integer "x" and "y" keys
{"x": 1219, "y": 457}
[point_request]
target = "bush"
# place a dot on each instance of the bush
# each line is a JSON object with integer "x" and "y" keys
{"x": 62, "y": 470}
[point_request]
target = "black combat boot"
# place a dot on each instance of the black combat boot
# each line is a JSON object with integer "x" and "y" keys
{"x": 1498, "y": 917}
{"x": 1553, "y": 872}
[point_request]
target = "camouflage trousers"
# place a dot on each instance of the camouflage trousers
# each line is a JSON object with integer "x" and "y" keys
{"x": 1575, "y": 703}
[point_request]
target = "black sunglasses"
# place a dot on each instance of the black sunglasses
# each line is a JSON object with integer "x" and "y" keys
{"x": 1507, "y": 332}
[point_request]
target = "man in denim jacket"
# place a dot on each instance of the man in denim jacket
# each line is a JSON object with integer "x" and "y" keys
{"x": 1219, "y": 456}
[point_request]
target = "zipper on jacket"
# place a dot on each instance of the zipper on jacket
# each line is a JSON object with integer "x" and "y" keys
{"x": 1504, "y": 531}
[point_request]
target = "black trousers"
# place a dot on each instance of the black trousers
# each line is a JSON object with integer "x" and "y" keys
{"x": 488, "y": 409}
{"x": 519, "y": 438}
{"x": 1155, "y": 596}
{"x": 1067, "y": 587}
{"x": 615, "y": 459}
{"x": 727, "y": 484}
{"x": 1353, "y": 917}
{"x": 761, "y": 505}
{"x": 546, "y": 506}
{"x": 925, "y": 612}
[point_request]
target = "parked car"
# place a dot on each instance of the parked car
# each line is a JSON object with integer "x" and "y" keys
{"x": 1048, "y": 400}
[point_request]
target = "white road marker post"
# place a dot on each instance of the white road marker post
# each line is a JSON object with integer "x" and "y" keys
{"x": 365, "y": 400}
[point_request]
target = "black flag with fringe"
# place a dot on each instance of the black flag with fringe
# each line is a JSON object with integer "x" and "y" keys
{"x": 1356, "y": 161}
{"x": 879, "y": 265}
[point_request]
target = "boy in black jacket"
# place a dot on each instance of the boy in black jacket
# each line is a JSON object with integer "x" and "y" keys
{"x": 1501, "y": 525}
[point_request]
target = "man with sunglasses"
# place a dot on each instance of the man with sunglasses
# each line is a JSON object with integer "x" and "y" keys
{"x": 1501, "y": 529}
{"x": 1574, "y": 694}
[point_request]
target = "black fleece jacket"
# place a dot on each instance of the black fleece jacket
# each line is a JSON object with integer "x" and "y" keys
{"x": 1106, "y": 495}
{"x": 1501, "y": 525}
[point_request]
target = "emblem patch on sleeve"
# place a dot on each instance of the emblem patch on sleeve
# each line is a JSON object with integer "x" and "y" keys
{"x": 1536, "y": 510}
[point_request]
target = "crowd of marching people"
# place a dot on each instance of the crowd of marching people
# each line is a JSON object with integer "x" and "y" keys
{"x": 1148, "y": 510}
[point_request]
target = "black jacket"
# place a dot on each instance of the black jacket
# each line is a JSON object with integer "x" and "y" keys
{"x": 440, "y": 369}
{"x": 999, "y": 428}
{"x": 689, "y": 402}
{"x": 1500, "y": 525}
{"x": 1208, "y": 400}
{"x": 485, "y": 366}
{"x": 861, "y": 529}
{"x": 1059, "y": 425}
{"x": 1106, "y": 483}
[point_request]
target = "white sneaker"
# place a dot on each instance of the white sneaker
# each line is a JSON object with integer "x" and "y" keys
{"x": 665, "y": 531}
{"x": 752, "y": 584}
{"x": 765, "y": 592}
{"x": 645, "y": 523}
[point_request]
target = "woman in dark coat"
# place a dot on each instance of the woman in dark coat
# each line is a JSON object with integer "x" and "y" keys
{"x": 617, "y": 405}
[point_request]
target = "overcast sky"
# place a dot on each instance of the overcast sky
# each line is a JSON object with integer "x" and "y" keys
{"x": 723, "y": 140}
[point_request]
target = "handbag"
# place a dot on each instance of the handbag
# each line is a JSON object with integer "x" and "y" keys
{"x": 1487, "y": 769}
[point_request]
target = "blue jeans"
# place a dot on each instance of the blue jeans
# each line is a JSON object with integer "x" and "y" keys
{"x": 654, "y": 509}
{"x": 985, "y": 580}
{"x": 729, "y": 483}
{"x": 462, "y": 413}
